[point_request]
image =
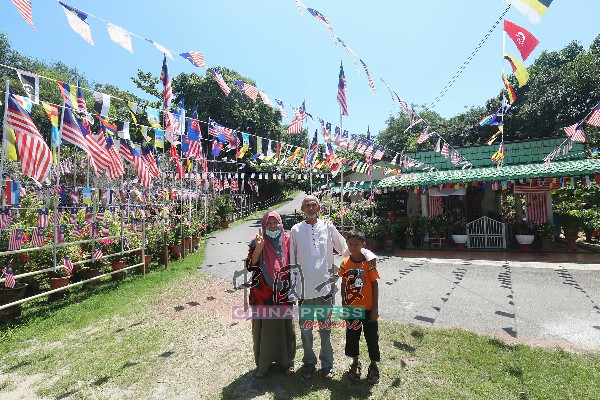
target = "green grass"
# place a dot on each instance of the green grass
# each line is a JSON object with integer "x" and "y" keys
{"x": 141, "y": 338}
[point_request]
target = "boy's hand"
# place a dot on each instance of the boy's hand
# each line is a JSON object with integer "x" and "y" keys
{"x": 374, "y": 314}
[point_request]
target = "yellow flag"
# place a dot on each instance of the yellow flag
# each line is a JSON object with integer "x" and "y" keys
{"x": 11, "y": 148}
{"x": 518, "y": 69}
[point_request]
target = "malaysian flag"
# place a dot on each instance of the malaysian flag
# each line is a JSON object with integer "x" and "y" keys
{"x": 9, "y": 276}
{"x": 436, "y": 206}
{"x": 67, "y": 264}
{"x": 5, "y": 218}
{"x": 343, "y": 142}
{"x": 594, "y": 118}
{"x": 77, "y": 21}
{"x": 446, "y": 150}
{"x": 312, "y": 151}
{"x": 226, "y": 89}
{"x": 371, "y": 83}
{"x": 455, "y": 157}
{"x": 100, "y": 213}
{"x": 378, "y": 153}
{"x": 149, "y": 159}
{"x": 535, "y": 206}
{"x": 177, "y": 161}
{"x": 323, "y": 19}
{"x": 38, "y": 236}
{"x": 105, "y": 229}
{"x": 299, "y": 117}
{"x": 166, "y": 81}
{"x": 195, "y": 57}
{"x": 341, "y": 94}
{"x": 73, "y": 216}
{"x": 120, "y": 36}
{"x": 89, "y": 217}
{"x": 34, "y": 153}
{"x": 97, "y": 253}
{"x": 248, "y": 90}
{"x": 77, "y": 231}
{"x": 575, "y": 132}
{"x": 281, "y": 109}
{"x": 352, "y": 142}
{"x": 115, "y": 168}
{"x": 24, "y": 7}
{"x": 369, "y": 149}
{"x": 42, "y": 217}
{"x": 425, "y": 135}
{"x": 265, "y": 98}
{"x": 75, "y": 196}
{"x": 60, "y": 233}
{"x": 16, "y": 238}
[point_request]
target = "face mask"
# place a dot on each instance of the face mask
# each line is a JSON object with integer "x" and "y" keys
{"x": 273, "y": 234}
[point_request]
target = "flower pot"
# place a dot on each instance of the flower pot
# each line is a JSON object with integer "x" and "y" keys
{"x": 224, "y": 224}
{"x": 138, "y": 253}
{"x": 89, "y": 273}
{"x": 187, "y": 245}
{"x": 57, "y": 283}
{"x": 571, "y": 234}
{"x": 175, "y": 252}
{"x": 118, "y": 265}
{"x": 147, "y": 260}
{"x": 460, "y": 240}
{"x": 409, "y": 243}
{"x": 162, "y": 257}
{"x": 196, "y": 242}
{"x": 9, "y": 295}
{"x": 525, "y": 241}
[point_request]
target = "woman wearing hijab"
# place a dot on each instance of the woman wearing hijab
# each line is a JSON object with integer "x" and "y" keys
{"x": 268, "y": 260}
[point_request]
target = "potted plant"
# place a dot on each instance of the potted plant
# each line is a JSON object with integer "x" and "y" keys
{"x": 174, "y": 238}
{"x": 459, "y": 234}
{"x": 524, "y": 234}
{"x": 10, "y": 294}
{"x": 545, "y": 233}
{"x": 224, "y": 209}
{"x": 570, "y": 223}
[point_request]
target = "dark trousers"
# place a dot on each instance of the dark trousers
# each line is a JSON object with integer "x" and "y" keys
{"x": 371, "y": 330}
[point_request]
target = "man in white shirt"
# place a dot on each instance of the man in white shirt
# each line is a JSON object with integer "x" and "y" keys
{"x": 311, "y": 254}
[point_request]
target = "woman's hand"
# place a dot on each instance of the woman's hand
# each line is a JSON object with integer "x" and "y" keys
{"x": 259, "y": 240}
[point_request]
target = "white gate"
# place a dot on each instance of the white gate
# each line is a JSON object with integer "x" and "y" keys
{"x": 486, "y": 233}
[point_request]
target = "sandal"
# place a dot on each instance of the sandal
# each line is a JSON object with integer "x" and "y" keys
{"x": 308, "y": 370}
{"x": 328, "y": 373}
{"x": 290, "y": 370}
{"x": 354, "y": 372}
{"x": 373, "y": 374}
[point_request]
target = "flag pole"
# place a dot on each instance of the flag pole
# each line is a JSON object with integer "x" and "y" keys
{"x": 341, "y": 173}
{"x": 4, "y": 142}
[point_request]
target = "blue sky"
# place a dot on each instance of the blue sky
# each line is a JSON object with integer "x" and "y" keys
{"x": 415, "y": 46}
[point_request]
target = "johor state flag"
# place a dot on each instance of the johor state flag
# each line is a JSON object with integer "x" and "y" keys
{"x": 12, "y": 192}
{"x": 523, "y": 39}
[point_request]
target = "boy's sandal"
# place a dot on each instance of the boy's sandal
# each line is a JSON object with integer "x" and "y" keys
{"x": 290, "y": 370}
{"x": 308, "y": 370}
{"x": 354, "y": 372}
{"x": 373, "y": 375}
{"x": 328, "y": 373}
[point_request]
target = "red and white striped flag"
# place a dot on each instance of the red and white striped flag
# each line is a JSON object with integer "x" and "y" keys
{"x": 42, "y": 217}
{"x": 536, "y": 209}
{"x": 299, "y": 117}
{"x": 16, "y": 238}
{"x": 455, "y": 157}
{"x": 341, "y": 94}
{"x": 371, "y": 83}
{"x": 195, "y": 57}
{"x": 38, "y": 236}
{"x": 34, "y": 153}
{"x": 115, "y": 168}
{"x": 77, "y": 21}
{"x": 24, "y": 7}
{"x": 248, "y": 90}
{"x": 120, "y": 36}
{"x": 97, "y": 253}
{"x": 282, "y": 109}
{"x": 436, "y": 206}
{"x": 67, "y": 264}
{"x": 265, "y": 98}
{"x": 446, "y": 150}
{"x": 221, "y": 82}
{"x": 5, "y": 218}
{"x": 575, "y": 132}
{"x": 9, "y": 276}
{"x": 594, "y": 118}
{"x": 166, "y": 81}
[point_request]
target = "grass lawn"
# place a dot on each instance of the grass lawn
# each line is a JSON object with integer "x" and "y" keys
{"x": 170, "y": 335}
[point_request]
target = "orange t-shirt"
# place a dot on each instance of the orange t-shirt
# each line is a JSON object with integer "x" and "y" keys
{"x": 358, "y": 277}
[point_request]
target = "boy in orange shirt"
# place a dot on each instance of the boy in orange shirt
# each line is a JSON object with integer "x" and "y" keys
{"x": 360, "y": 289}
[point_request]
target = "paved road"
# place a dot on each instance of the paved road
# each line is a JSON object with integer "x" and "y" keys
{"x": 543, "y": 303}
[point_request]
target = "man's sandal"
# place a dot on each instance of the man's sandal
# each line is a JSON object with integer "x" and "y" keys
{"x": 373, "y": 375}
{"x": 290, "y": 370}
{"x": 354, "y": 372}
{"x": 308, "y": 370}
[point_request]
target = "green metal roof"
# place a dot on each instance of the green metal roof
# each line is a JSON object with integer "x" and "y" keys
{"x": 518, "y": 152}
{"x": 573, "y": 167}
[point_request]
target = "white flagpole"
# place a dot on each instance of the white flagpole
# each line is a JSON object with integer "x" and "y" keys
{"x": 4, "y": 143}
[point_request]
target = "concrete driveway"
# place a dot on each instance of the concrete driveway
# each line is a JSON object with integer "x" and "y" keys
{"x": 543, "y": 303}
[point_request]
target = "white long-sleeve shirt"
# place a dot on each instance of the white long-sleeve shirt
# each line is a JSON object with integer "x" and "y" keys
{"x": 311, "y": 255}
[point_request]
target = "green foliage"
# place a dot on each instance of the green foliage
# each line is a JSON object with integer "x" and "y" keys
{"x": 224, "y": 207}
{"x": 547, "y": 230}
